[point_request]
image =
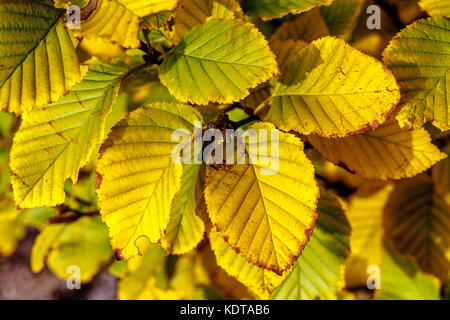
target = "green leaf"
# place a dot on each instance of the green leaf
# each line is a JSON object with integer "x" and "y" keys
{"x": 318, "y": 272}
{"x": 56, "y": 140}
{"x": 419, "y": 57}
{"x": 186, "y": 228}
{"x": 342, "y": 16}
{"x": 332, "y": 89}
{"x": 218, "y": 62}
{"x": 401, "y": 279}
{"x": 83, "y": 243}
{"x": 270, "y": 9}
{"x": 38, "y": 62}
{"x": 339, "y": 19}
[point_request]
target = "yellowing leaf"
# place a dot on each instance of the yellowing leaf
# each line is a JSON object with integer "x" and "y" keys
{"x": 386, "y": 153}
{"x": 419, "y": 57}
{"x": 143, "y": 8}
{"x": 417, "y": 221}
{"x": 83, "y": 243}
{"x": 285, "y": 50}
{"x": 12, "y": 229}
{"x": 139, "y": 180}
{"x": 186, "y": 228}
{"x": 270, "y": 9}
{"x": 339, "y": 19}
{"x": 261, "y": 281}
{"x": 300, "y": 28}
{"x": 218, "y": 62}
{"x": 436, "y": 7}
{"x": 441, "y": 176}
{"x": 38, "y": 62}
{"x": 267, "y": 218}
{"x": 118, "y": 20}
{"x": 365, "y": 213}
{"x": 319, "y": 271}
{"x": 142, "y": 283}
{"x": 195, "y": 12}
{"x": 56, "y": 140}
{"x": 342, "y": 16}
{"x": 401, "y": 279}
{"x": 332, "y": 89}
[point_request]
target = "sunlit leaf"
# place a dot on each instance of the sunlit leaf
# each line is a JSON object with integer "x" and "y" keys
{"x": 332, "y": 89}
{"x": 419, "y": 56}
{"x": 267, "y": 218}
{"x": 138, "y": 178}
{"x": 386, "y": 153}
{"x": 218, "y": 61}
{"x": 56, "y": 140}
{"x": 38, "y": 62}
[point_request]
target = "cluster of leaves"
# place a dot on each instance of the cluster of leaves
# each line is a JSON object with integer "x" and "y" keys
{"x": 363, "y": 173}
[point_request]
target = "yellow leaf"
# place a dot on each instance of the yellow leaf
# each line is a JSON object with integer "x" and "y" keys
{"x": 436, "y": 7}
{"x": 38, "y": 62}
{"x": 332, "y": 89}
{"x": 386, "y": 153}
{"x": 365, "y": 213}
{"x": 417, "y": 221}
{"x": 143, "y": 8}
{"x": 118, "y": 20}
{"x": 142, "y": 283}
{"x": 218, "y": 61}
{"x": 192, "y": 13}
{"x": 12, "y": 229}
{"x": 300, "y": 27}
{"x": 267, "y": 218}
{"x": 418, "y": 56}
{"x": 139, "y": 180}
{"x": 262, "y": 282}
{"x": 319, "y": 271}
{"x": 56, "y": 140}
